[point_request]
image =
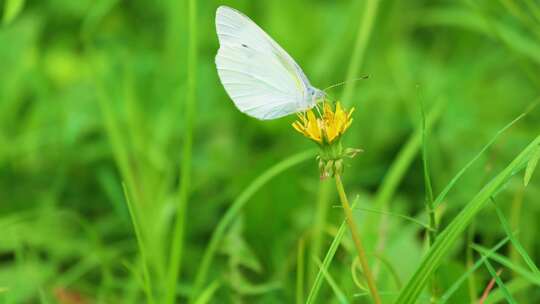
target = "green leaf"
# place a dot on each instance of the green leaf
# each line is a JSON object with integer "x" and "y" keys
{"x": 531, "y": 165}
{"x": 12, "y": 8}
{"x": 451, "y": 233}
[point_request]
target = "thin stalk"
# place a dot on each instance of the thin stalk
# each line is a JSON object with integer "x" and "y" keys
{"x": 177, "y": 248}
{"x": 430, "y": 207}
{"x": 357, "y": 240}
{"x": 142, "y": 248}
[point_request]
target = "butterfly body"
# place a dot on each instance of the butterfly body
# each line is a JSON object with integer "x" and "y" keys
{"x": 260, "y": 77}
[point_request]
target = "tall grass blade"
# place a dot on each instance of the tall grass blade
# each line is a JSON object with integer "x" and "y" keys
{"x": 234, "y": 210}
{"x": 177, "y": 248}
{"x": 432, "y": 233}
{"x": 450, "y": 234}
{"x": 147, "y": 283}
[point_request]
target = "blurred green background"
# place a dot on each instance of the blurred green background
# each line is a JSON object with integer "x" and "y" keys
{"x": 93, "y": 96}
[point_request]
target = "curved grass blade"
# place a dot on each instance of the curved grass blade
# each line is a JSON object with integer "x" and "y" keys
{"x": 236, "y": 207}
{"x": 450, "y": 234}
{"x": 177, "y": 247}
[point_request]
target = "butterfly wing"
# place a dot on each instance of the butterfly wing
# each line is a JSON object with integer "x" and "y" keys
{"x": 260, "y": 77}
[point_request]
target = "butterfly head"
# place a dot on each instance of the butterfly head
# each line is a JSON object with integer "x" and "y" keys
{"x": 316, "y": 95}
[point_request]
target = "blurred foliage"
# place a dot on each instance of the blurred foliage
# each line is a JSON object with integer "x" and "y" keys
{"x": 92, "y": 96}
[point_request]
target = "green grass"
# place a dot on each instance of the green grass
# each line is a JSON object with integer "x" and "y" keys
{"x": 127, "y": 175}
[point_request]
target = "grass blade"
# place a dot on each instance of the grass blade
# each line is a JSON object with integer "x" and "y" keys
{"x": 531, "y": 277}
{"x": 531, "y": 166}
{"x": 236, "y": 207}
{"x": 335, "y": 287}
{"x": 177, "y": 248}
{"x": 147, "y": 283}
{"x": 398, "y": 215}
{"x": 360, "y": 45}
{"x": 450, "y": 234}
{"x": 206, "y": 295}
{"x": 514, "y": 286}
{"x": 500, "y": 283}
{"x": 450, "y": 291}
{"x": 456, "y": 178}
{"x": 430, "y": 208}
{"x": 517, "y": 245}
{"x": 314, "y": 291}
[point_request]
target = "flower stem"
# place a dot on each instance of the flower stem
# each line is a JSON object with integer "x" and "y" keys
{"x": 357, "y": 240}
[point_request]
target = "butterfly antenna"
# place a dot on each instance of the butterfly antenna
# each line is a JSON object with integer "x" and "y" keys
{"x": 330, "y": 97}
{"x": 345, "y": 82}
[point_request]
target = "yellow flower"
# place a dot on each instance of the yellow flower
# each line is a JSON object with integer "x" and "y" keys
{"x": 327, "y": 128}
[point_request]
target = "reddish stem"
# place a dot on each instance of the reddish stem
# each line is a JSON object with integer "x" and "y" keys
{"x": 489, "y": 287}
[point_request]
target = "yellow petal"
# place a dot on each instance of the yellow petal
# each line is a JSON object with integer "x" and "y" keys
{"x": 312, "y": 127}
{"x": 298, "y": 127}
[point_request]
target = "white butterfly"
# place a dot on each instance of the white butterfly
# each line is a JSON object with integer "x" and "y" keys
{"x": 260, "y": 77}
